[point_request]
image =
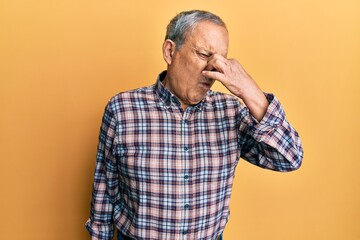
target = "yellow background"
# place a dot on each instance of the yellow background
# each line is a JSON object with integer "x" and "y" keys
{"x": 60, "y": 61}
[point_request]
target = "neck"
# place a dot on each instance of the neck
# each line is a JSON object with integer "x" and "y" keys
{"x": 167, "y": 84}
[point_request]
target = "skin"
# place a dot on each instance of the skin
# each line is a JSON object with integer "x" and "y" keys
{"x": 193, "y": 68}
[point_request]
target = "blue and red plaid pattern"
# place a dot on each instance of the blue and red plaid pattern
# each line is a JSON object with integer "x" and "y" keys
{"x": 165, "y": 173}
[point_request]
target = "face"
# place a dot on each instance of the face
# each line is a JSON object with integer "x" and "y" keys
{"x": 184, "y": 77}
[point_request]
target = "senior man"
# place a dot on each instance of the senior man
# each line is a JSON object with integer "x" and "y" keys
{"x": 167, "y": 153}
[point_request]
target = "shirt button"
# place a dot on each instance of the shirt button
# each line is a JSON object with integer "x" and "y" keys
{"x": 186, "y": 177}
{"x": 186, "y": 149}
{"x": 185, "y": 232}
{"x": 186, "y": 206}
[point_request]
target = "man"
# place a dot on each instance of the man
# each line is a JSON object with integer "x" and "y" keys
{"x": 167, "y": 153}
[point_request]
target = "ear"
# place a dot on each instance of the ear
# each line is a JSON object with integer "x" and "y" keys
{"x": 168, "y": 49}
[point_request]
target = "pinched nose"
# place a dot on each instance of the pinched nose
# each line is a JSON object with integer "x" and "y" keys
{"x": 209, "y": 68}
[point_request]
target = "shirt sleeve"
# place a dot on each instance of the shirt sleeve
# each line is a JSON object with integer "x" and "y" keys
{"x": 271, "y": 143}
{"x": 105, "y": 187}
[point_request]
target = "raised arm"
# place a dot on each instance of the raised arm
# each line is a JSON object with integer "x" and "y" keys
{"x": 266, "y": 138}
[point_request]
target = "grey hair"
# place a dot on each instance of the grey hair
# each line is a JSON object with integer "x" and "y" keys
{"x": 185, "y": 22}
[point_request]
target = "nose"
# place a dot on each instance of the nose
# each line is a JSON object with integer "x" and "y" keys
{"x": 209, "y": 68}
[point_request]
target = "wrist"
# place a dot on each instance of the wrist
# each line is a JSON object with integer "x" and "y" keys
{"x": 257, "y": 104}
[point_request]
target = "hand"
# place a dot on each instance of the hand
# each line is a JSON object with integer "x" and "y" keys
{"x": 234, "y": 77}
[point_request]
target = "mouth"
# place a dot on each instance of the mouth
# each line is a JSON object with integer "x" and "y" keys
{"x": 207, "y": 83}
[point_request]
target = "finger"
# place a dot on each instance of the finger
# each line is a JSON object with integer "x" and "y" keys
{"x": 213, "y": 75}
{"x": 217, "y": 62}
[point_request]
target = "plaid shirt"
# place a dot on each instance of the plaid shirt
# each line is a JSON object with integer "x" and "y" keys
{"x": 166, "y": 173}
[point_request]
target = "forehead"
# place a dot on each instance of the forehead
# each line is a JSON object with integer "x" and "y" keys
{"x": 209, "y": 37}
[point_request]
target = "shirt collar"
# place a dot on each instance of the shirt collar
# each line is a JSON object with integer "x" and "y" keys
{"x": 168, "y": 97}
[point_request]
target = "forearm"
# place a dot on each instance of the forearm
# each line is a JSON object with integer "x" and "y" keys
{"x": 257, "y": 104}
{"x": 272, "y": 143}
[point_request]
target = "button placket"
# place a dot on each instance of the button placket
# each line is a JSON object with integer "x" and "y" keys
{"x": 186, "y": 158}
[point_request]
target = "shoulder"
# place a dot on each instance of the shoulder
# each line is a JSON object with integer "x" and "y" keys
{"x": 131, "y": 99}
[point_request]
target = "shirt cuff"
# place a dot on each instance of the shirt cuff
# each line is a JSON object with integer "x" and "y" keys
{"x": 272, "y": 119}
{"x": 100, "y": 231}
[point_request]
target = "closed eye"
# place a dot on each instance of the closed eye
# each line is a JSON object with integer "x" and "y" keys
{"x": 203, "y": 55}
